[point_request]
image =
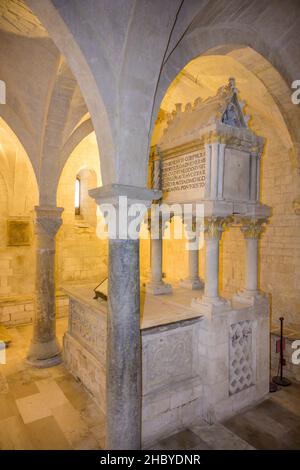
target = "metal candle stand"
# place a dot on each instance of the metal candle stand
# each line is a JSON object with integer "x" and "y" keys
{"x": 279, "y": 379}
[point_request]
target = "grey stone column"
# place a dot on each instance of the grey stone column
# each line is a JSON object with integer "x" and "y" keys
{"x": 123, "y": 355}
{"x": 123, "y": 362}
{"x": 44, "y": 349}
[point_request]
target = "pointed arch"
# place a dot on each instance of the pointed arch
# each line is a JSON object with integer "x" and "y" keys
{"x": 224, "y": 39}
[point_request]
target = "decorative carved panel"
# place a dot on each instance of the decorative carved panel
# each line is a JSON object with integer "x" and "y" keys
{"x": 240, "y": 357}
{"x": 167, "y": 359}
{"x": 88, "y": 328}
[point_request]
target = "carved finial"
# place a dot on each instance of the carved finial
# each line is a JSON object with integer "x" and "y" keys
{"x": 178, "y": 107}
{"x": 197, "y": 102}
{"x": 231, "y": 83}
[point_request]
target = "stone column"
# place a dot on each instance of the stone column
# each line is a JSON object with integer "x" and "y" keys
{"x": 212, "y": 233}
{"x": 44, "y": 349}
{"x": 252, "y": 230}
{"x": 211, "y": 302}
{"x": 156, "y": 285}
{"x": 123, "y": 360}
{"x": 123, "y": 354}
{"x": 193, "y": 280}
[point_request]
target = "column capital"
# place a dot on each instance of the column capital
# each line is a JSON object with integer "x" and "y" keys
{"x": 252, "y": 227}
{"x": 162, "y": 221}
{"x": 214, "y": 226}
{"x": 124, "y": 208}
{"x": 193, "y": 225}
{"x": 48, "y": 219}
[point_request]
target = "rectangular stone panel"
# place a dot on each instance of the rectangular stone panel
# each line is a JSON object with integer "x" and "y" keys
{"x": 236, "y": 175}
{"x": 18, "y": 232}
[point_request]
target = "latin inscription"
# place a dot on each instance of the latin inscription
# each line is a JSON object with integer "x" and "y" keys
{"x": 184, "y": 172}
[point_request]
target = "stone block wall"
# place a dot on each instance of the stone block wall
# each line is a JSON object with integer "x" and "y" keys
{"x": 20, "y": 311}
{"x": 5, "y": 275}
{"x": 16, "y": 267}
{"x": 81, "y": 256}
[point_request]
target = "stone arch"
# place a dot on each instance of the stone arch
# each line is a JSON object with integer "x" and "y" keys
{"x": 19, "y": 193}
{"x": 82, "y": 131}
{"x": 66, "y": 43}
{"x": 80, "y": 254}
{"x": 221, "y": 39}
{"x": 88, "y": 208}
{"x": 3, "y": 195}
{"x": 12, "y": 145}
{"x": 83, "y": 157}
{"x": 12, "y": 120}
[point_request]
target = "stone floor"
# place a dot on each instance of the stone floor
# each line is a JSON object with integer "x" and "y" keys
{"x": 48, "y": 409}
{"x": 273, "y": 424}
{"x": 44, "y": 408}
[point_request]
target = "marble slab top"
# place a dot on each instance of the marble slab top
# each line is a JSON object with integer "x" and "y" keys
{"x": 156, "y": 310}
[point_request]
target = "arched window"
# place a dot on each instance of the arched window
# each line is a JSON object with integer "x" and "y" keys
{"x": 77, "y": 195}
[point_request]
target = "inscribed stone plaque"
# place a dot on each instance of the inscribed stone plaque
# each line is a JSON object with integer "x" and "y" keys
{"x": 184, "y": 172}
{"x": 18, "y": 233}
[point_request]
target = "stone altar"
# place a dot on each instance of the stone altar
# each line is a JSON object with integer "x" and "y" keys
{"x": 193, "y": 367}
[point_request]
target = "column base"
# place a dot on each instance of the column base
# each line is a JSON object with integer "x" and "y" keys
{"x": 44, "y": 355}
{"x": 249, "y": 297}
{"x": 192, "y": 284}
{"x": 210, "y": 305}
{"x": 158, "y": 288}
